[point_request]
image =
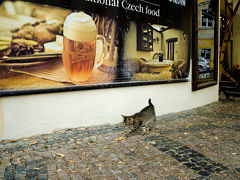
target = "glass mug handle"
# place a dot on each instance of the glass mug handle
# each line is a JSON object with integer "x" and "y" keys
{"x": 99, "y": 59}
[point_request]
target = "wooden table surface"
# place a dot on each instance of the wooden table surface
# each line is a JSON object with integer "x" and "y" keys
{"x": 45, "y": 76}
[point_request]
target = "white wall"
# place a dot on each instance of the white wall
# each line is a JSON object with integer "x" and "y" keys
{"x": 22, "y": 116}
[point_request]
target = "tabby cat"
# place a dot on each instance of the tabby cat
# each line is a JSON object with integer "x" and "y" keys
{"x": 143, "y": 121}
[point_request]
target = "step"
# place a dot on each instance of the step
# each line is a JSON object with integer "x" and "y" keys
{"x": 227, "y": 83}
{"x": 231, "y": 88}
{"x": 234, "y": 94}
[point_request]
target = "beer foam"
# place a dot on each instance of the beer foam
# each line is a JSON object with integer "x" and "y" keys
{"x": 79, "y": 26}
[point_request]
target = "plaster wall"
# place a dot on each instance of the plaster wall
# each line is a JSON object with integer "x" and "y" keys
{"x": 181, "y": 47}
{"x": 24, "y": 116}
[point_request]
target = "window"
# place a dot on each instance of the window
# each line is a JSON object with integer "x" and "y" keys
{"x": 206, "y": 53}
{"x": 207, "y": 18}
{"x": 144, "y": 38}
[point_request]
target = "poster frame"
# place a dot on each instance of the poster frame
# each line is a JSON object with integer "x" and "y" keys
{"x": 196, "y": 84}
{"x": 15, "y": 92}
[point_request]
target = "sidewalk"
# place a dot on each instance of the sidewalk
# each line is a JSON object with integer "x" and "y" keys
{"x": 202, "y": 143}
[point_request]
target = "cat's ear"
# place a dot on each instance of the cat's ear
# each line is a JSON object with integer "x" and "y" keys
{"x": 123, "y": 116}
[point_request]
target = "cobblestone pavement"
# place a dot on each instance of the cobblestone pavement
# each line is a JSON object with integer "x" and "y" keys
{"x": 202, "y": 143}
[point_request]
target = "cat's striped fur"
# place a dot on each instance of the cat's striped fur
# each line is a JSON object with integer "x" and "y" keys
{"x": 143, "y": 121}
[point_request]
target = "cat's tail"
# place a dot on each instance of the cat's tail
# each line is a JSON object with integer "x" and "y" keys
{"x": 149, "y": 102}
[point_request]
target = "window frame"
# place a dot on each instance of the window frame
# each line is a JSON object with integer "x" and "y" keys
{"x": 207, "y": 21}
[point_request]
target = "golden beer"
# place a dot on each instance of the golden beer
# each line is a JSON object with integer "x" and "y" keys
{"x": 79, "y": 46}
{"x": 78, "y": 58}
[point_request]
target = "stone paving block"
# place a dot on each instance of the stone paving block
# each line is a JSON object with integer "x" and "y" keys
{"x": 121, "y": 176}
{"x": 171, "y": 177}
{"x": 52, "y": 175}
{"x": 64, "y": 177}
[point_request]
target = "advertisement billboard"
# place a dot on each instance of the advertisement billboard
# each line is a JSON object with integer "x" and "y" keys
{"x": 73, "y": 45}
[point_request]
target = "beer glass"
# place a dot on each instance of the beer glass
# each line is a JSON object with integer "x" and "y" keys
{"x": 79, "y": 46}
